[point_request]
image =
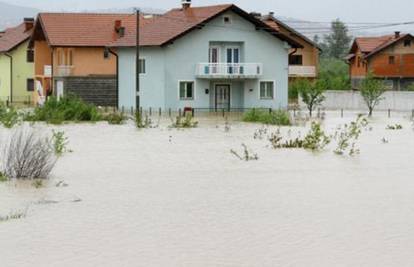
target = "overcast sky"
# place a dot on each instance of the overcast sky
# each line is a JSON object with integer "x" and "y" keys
{"x": 312, "y": 10}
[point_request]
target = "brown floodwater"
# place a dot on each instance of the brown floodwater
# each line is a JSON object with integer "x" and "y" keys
{"x": 162, "y": 197}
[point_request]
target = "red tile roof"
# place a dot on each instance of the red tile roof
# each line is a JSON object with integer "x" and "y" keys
{"x": 372, "y": 45}
{"x": 13, "y": 37}
{"x": 79, "y": 29}
{"x": 97, "y": 30}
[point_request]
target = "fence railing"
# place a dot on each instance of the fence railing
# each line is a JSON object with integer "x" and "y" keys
{"x": 211, "y": 70}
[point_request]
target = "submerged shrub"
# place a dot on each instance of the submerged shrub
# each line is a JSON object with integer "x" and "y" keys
{"x": 142, "y": 123}
{"x": 9, "y": 117}
{"x": 3, "y": 178}
{"x": 28, "y": 155}
{"x": 394, "y": 127}
{"x": 13, "y": 216}
{"x": 315, "y": 139}
{"x": 278, "y": 117}
{"x": 59, "y": 142}
{"x": 186, "y": 121}
{"x": 247, "y": 154}
{"x": 347, "y": 135}
{"x": 69, "y": 108}
{"x": 115, "y": 118}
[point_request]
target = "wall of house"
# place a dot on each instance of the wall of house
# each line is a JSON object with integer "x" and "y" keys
{"x": 358, "y": 70}
{"x": 87, "y": 61}
{"x": 177, "y": 62}
{"x": 152, "y": 82}
{"x": 43, "y": 56}
{"x": 4, "y": 77}
{"x": 22, "y": 70}
{"x": 403, "y": 65}
{"x": 309, "y": 52}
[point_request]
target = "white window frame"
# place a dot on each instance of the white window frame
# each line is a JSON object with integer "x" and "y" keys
{"x": 273, "y": 89}
{"x": 194, "y": 90}
{"x": 144, "y": 59}
{"x": 210, "y": 49}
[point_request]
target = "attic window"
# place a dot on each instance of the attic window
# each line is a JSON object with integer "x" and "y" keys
{"x": 407, "y": 43}
{"x": 391, "y": 60}
{"x": 227, "y": 20}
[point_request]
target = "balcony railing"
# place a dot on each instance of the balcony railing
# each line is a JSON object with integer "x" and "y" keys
{"x": 302, "y": 71}
{"x": 229, "y": 70}
{"x": 64, "y": 70}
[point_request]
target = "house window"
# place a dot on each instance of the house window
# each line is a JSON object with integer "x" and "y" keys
{"x": 391, "y": 60}
{"x": 106, "y": 53}
{"x": 30, "y": 85}
{"x": 296, "y": 60}
{"x": 142, "y": 66}
{"x": 30, "y": 56}
{"x": 267, "y": 90}
{"x": 227, "y": 20}
{"x": 407, "y": 43}
{"x": 65, "y": 57}
{"x": 359, "y": 62}
{"x": 186, "y": 90}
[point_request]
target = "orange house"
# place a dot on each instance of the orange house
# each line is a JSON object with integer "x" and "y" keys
{"x": 390, "y": 58}
{"x": 70, "y": 55}
{"x": 303, "y": 62}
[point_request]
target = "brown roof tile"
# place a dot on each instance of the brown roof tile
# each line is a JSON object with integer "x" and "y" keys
{"x": 13, "y": 37}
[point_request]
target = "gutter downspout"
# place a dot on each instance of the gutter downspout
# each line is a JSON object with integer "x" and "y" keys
{"x": 52, "y": 79}
{"x": 117, "y": 76}
{"x": 11, "y": 75}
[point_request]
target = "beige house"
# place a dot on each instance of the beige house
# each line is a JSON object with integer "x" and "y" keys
{"x": 303, "y": 62}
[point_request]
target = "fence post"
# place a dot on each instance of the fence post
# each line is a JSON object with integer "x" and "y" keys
{"x": 192, "y": 113}
{"x": 319, "y": 113}
{"x": 270, "y": 111}
{"x": 122, "y": 110}
{"x": 179, "y": 112}
{"x": 342, "y": 112}
{"x": 169, "y": 112}
{"x": 150, "y": 111}
{"x": 412, "y": 114}
{"x": 389, "y": 113}
{"x": 132, "y": 111}
{"x": 224, "y": 114}
{"x": 294, "y": 112}
{"x": 160, "y": 112}
{"x": 7, "y": 102}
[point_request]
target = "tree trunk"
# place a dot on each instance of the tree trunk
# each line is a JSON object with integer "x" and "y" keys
{"x": 370, "y": 112}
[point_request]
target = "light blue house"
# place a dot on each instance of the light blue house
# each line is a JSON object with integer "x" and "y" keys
{"x": 215, "y": 57}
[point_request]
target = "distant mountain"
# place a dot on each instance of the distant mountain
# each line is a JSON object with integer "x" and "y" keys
{"x": 11, "y": 15}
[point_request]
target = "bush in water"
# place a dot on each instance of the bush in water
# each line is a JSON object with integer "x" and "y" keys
{"x": 59, "y": 142}
{"x": 9, "y": 117}
{"x": 69, "y": 108}
{"x": 28, "y": 155}
{"x": 347, "y": 135}
{"x": 278, "y": 117}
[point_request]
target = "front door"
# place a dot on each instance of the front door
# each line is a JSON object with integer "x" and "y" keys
{"x": 222, "y": 97}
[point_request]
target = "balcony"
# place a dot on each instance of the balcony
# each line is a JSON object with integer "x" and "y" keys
{"x": 302, "y": 71}
{"x": 64, "y": 71}
{"x": 229, "y": 70}
{"x": 47, "y": 71}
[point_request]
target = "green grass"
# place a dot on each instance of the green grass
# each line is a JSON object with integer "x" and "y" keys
{"x": 278, "y": 117}
{"x": 67, "y": 109}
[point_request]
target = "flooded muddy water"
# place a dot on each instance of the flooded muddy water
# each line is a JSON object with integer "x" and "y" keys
{"x": 162, "y": 197}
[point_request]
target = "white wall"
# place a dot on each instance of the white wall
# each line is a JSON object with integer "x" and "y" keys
{"x": 394, "y": 100}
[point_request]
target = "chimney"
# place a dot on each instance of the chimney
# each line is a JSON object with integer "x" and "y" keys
{"x": 119, "y": 29}
{"x": 186, "y": 4}
{"x": 28, "y": 24}
{"x": 271, "y": 14}
{"x": 397, "y": 35}
{"x": 256, "y": 14}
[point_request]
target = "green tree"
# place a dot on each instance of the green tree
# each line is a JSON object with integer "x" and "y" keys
{"x": 335, "y": 73}
{"x": 312, "y": 93}
{"x": 337, "y": 43}
{"x": 371, "y": 91}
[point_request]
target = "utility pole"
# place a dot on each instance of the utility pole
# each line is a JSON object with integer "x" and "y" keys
{"x": 137, "y": 64}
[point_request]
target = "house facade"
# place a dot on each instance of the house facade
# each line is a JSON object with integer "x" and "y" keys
{"x": 214, "y": 57}
{"x": 390, "y": 58}
{"x": 71, "y": 56}
{"x": 16, "y": 64}
{"x": 303, "y": 62}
